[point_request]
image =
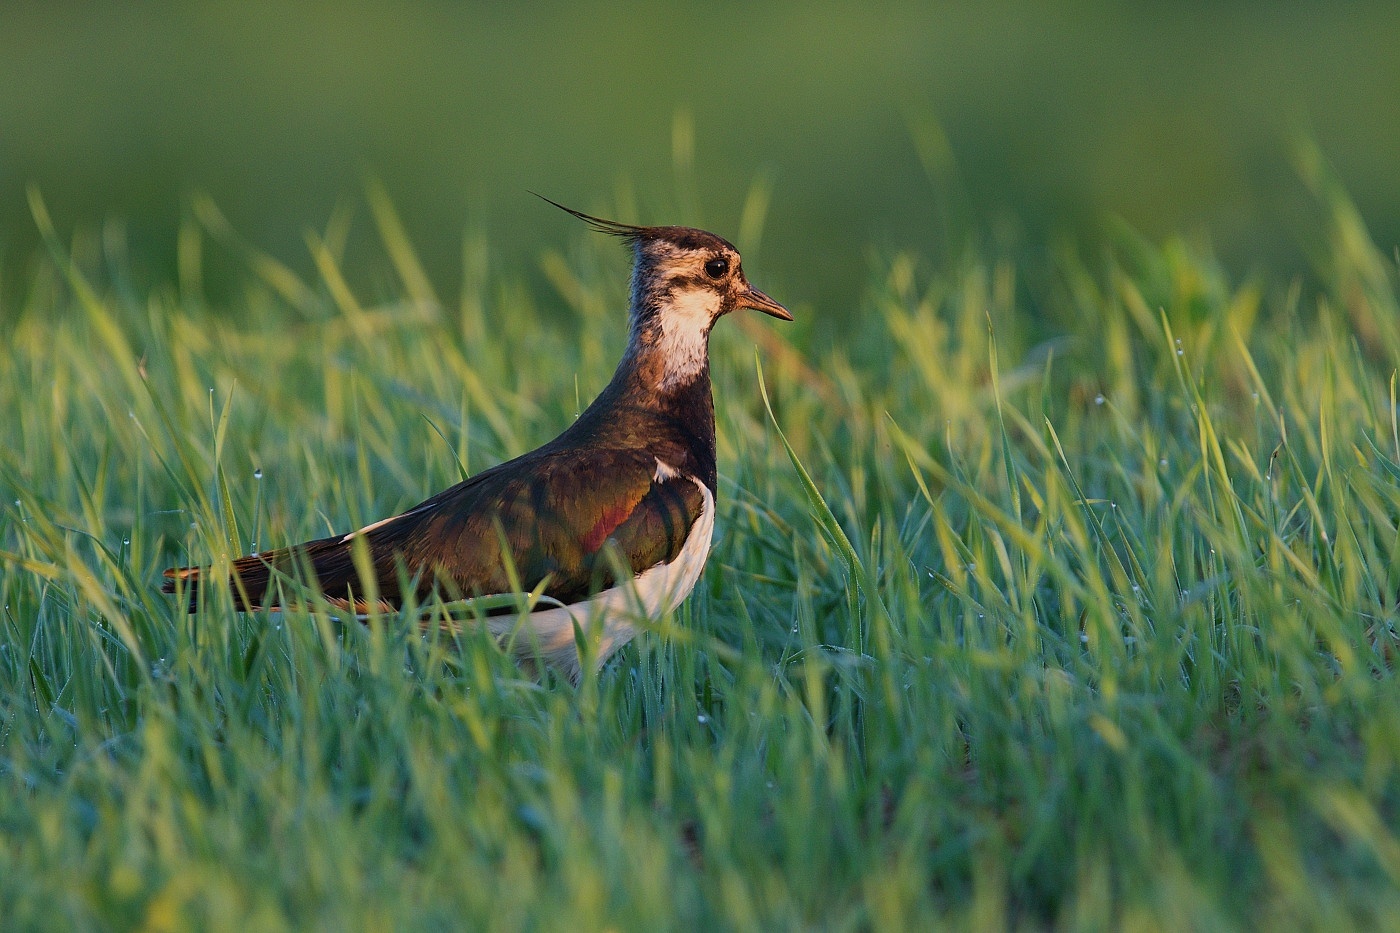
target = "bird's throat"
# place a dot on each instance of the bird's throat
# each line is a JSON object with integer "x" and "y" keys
{"x": 672, "y": 347}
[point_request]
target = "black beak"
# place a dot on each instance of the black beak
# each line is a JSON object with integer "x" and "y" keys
{"x": 753, "y": 298}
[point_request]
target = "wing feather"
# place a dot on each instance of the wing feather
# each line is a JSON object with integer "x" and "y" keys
{"x": 549, "y": 516}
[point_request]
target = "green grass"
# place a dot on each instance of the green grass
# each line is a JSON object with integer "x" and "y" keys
{"x": 1073, "y": 606}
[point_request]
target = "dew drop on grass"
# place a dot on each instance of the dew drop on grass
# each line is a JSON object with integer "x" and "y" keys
{"x": 1162, "y": 462}
{"x": 702, "y": 719}
{"x": 1098, "y": 399}
{"x": 257, "y": 474}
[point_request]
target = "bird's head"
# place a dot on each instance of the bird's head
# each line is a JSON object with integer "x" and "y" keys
{"x": 683, "y": 280}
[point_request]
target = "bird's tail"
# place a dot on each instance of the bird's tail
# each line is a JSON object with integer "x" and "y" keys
{"x": 325, "y": 565}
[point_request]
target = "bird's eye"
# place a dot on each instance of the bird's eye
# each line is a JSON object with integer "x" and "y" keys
{"x": 716, "y": 268}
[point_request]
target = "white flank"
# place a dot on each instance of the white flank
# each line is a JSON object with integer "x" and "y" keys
{"x": 685, "y": 334}
{"x": 649, "y": 595}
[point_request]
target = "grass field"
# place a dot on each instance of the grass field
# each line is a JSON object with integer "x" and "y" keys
{"x": 1072, "y": 604}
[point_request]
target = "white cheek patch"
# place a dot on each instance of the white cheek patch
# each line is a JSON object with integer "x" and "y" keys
{"x": 685, "y": 334}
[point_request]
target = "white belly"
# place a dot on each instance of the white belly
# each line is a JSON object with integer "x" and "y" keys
{"x": 647, "y": 596}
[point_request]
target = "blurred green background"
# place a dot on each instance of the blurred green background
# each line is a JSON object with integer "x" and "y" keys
{"x": 890, "y": 125}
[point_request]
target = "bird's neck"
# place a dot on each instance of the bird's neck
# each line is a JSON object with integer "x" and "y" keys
{"x": 656, "y": 405}
{"x": 672, "y": 344}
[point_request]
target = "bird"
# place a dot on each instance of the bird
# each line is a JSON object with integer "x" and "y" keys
{"x": 607, "y": 525}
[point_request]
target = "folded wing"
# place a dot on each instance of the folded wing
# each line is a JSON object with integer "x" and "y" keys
{"x": 572, "y": 519}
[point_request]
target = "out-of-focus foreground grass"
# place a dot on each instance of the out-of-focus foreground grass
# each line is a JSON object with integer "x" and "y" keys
{"x": 1087, "y": 617}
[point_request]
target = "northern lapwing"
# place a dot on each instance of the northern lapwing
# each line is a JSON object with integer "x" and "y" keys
{"x": 609, "y": 523}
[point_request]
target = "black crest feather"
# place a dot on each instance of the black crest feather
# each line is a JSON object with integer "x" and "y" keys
{"x": 610, "y": 227}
